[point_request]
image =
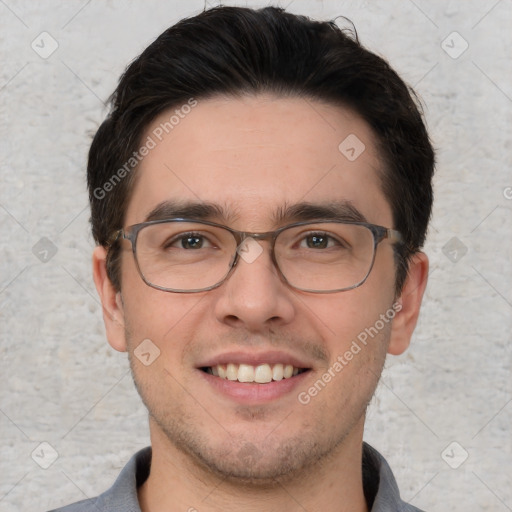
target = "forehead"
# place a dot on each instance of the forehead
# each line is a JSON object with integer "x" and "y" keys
{"x": 255, "y": 156}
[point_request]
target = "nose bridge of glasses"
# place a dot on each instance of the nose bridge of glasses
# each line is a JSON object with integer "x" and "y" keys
{"x": 249, "y": 246}
{"x": 242, "y": 237}
{"x": 267, "y": 235}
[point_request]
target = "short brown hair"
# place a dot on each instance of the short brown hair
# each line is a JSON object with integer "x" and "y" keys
{"x": 234, "y": 51}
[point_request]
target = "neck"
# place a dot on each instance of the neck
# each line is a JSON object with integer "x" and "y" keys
{"x": 179, "y": 483}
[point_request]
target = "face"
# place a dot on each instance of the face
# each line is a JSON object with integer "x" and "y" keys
{"x": 253, "y": 157}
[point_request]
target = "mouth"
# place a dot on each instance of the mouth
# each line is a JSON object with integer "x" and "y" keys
{"x": 255, "y": 378}
{"x": 264, "y": 373}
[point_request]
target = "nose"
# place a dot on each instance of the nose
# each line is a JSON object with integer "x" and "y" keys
{"x": 254, "y": 296}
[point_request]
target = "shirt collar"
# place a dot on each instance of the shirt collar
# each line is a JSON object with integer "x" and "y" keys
{"x": 380, "y": 487}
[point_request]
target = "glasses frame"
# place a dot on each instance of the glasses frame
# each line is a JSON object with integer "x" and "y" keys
{"x": 379, "y": 233}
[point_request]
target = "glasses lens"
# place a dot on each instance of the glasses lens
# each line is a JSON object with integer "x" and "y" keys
{"x": 188, "y": 256}
{"x": 184, "y": 255}
{"x": 325, "y": 256}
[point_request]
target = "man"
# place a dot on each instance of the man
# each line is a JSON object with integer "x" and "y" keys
{"x": 260, "y": 193}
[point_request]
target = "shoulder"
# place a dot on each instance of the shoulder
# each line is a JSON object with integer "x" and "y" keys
{"x": 122, "y": 496}
{"x": 381, "y": 489}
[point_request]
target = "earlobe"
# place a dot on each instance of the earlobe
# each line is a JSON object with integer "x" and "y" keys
{"x": 111, "y": 301}
{"x": 410, "y": 300}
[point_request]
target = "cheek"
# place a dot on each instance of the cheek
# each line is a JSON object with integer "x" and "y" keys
{"x": 356, "y": 326}
{"x": 342, "y": 319}
{"x": 163, "y": 318}
{"x": 357, "y": 342}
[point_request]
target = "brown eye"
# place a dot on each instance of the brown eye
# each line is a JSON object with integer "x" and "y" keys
{"x": 187, "y": 241}
{"x": 321, "y": 241}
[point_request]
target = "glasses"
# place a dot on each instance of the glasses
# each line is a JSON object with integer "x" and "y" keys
{"x": 186, "y": 255}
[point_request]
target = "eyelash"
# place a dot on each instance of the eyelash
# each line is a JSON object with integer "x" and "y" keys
{"x": 322, "y": 234}
{"x": 184, "y": 236}
{"x": 303, "y": 236}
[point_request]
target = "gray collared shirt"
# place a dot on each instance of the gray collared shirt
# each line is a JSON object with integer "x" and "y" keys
{"x": 380, "y": 488}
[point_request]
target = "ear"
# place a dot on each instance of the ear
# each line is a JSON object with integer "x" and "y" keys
{"x": 111, "y": 301}
{"x": 410, "y": 299}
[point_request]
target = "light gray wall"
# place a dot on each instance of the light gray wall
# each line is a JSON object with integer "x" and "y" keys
{"x": 61, "y": 382}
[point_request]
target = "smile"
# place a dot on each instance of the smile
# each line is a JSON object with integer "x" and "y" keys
{"x": 260, "y": 374}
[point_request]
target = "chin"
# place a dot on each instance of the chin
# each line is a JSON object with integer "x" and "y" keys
{"x": 263, "y": 463}
{"x": 252, "y": 467}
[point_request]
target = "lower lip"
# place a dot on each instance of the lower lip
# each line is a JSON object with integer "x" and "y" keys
{"x": 252, "y": 392}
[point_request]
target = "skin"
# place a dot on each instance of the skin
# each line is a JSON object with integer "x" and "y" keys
{"x": 253, "y": 155}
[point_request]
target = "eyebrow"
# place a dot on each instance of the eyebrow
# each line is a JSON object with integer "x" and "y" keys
{"x": 333, "y": 210}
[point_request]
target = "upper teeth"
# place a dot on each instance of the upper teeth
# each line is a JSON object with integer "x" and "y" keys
{"x": 261, "y": 373}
